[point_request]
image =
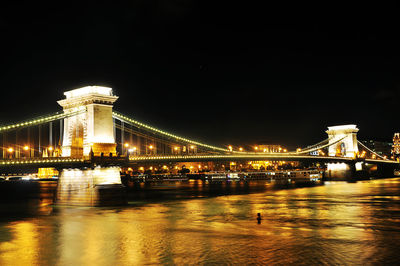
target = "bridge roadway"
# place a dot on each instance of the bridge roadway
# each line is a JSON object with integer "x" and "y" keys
{"x": 65, "y": 162}
{"x": 254, "y": 157}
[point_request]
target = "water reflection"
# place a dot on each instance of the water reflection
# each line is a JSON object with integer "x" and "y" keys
{"x": 338, "y": 223}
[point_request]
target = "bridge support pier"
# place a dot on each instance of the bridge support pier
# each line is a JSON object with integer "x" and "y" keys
{"x": 340, "y": 171}
{"x": 91, "y": 187}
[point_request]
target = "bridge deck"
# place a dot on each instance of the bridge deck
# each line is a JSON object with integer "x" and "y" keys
{"x": 66, "y": 162}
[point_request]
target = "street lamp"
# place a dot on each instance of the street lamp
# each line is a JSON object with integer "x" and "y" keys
{"x": 132, "y": 150}
{"x": 240, "y": 149}
{"x": 10, "y": 150}
{"x": 126, "y": 145}
{"x": 26, "y": 148}
{"x": 50, "y": 149}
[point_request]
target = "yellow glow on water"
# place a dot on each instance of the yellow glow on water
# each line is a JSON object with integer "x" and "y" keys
{"x": 23, "y": 247}
{"x": 346, "y": 221}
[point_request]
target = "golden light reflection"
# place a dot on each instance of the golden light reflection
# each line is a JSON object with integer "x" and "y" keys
{"x": 209, "y": 230}
{"x": 22, "y": 249}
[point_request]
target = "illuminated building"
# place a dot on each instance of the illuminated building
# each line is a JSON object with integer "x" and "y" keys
{"x": 396, "y": 145}
{"x": 383, "y": 148}
{"x": 270, "y": 148}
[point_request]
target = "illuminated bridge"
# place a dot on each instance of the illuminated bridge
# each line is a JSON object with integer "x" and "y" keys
{"x": 89, "y": 132}
{"x": 89, "y": 144}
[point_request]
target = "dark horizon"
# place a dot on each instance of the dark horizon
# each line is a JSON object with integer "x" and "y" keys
{"x": 209, "y": 75}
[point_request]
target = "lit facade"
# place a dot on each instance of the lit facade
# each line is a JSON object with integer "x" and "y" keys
{"x": 396, "y": 145}
{"x": 383, "y": 148}
{"x": 270, "y": 148}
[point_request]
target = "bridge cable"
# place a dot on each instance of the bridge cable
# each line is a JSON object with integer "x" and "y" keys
{"x": 136, "y": 123}
{"x": 371, "y": 151}
{"x": 41, "y": 120}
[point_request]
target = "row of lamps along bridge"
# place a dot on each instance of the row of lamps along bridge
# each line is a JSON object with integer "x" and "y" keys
{"x": 133, "y": 149}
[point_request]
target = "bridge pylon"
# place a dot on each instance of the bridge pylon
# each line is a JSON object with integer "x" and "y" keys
{"x": 91, "y": 130}
{"x": 344, "y": 140}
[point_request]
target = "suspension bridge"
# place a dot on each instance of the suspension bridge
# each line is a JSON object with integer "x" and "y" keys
{"x": 88, "y": 129}
{"x": 89, "y": 143}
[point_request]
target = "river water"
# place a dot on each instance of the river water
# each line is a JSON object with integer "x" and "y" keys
{"x": 337, "y": 223}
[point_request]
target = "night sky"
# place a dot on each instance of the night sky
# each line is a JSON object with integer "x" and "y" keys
{"x": 218, "y": 74}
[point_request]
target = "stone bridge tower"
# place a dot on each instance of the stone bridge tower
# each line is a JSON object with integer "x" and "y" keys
{"x": 92, "y": 128}
{"x": 347, "y": 146}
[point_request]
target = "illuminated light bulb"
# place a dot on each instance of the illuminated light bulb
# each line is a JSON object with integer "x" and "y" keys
{"x": 26, "y": 148}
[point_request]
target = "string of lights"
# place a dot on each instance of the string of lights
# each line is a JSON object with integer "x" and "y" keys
{"x": 41, "y": 120}
{"x": 371, "y": 151}
{"x": 317, "y": 148}
{"x": 231, "y": 156}
{"x": 40, "y": 161}
{"x": 134, "y": 122}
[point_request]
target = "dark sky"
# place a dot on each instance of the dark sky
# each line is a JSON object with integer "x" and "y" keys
{"x": 222, "y": 74}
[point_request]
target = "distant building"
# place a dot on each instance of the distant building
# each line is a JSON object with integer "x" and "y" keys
{"x": 270, "y": 148}
{"x": 396, "y": 145}
{"x": 383, "y": 148}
